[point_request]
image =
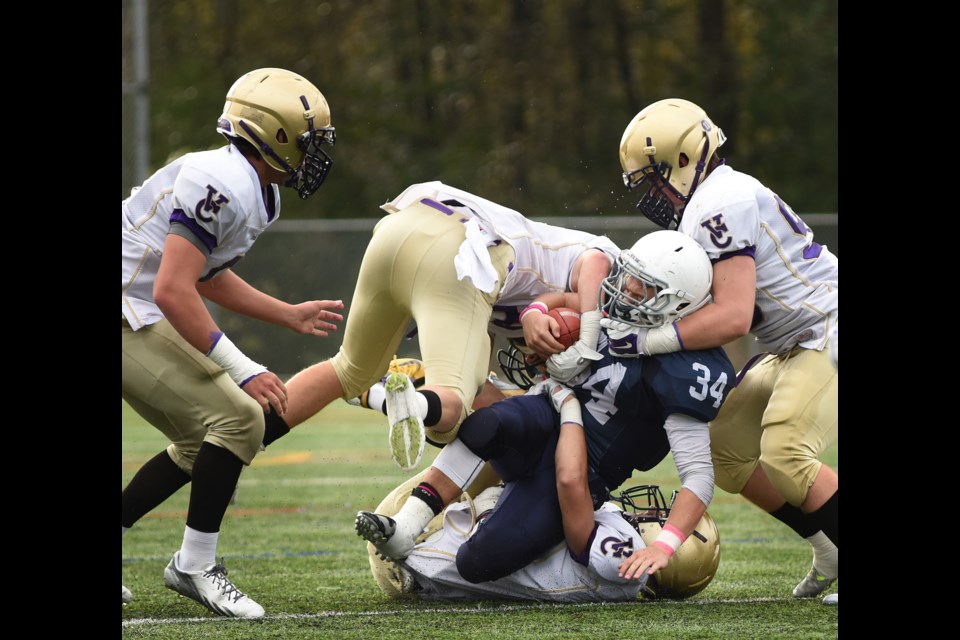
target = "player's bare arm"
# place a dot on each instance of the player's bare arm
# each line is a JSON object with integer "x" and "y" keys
{"x": 576, "y": 504}
{"x": 175, "y": 292}
{"x": 588, "y": 272}
{"x": 730, "y": 314}
{"x": 314, "y": 317}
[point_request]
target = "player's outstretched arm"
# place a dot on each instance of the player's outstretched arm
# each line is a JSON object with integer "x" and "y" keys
{"x": 315, "y": 317}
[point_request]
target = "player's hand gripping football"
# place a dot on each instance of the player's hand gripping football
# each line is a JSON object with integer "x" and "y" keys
{"x": 540, "y": 332}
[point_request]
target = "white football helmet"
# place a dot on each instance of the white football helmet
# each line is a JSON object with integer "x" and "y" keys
{"x": 286, "y": 118}
{"x": 663, "y": 277}
{"x": 694, "y": 564}
{"x": 667, "y": 148}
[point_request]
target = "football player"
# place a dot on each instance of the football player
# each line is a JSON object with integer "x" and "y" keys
{"x": 629, "y": 522}
{"x": 457, "y": 264}
{"x": 181, "y": 232}
{"x": 770, "y": 279}
{"x": 634, "y": 412}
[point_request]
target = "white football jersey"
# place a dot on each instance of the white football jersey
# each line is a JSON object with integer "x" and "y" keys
{"x": 797, "y": 279}
{"x": 545, "y": 254}
{"x": 554, "y": 577}
{"x": 216, "y": 198}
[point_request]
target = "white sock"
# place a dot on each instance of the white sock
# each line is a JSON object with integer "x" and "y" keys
{"x": 123, "y": 531}
{"x": 458, "y": 463}
{"x": 377, "y": 396}
{"x": 413, "y": 517}
{"x": 422, "y": 405}
{"x": 826, "y": 555}
{"x": 199, "y": 550}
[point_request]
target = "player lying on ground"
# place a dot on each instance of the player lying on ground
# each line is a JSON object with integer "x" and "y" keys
{"x": 630, "y": 522}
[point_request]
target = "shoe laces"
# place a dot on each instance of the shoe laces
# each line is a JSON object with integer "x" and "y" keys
{"x": 218, "y": 573}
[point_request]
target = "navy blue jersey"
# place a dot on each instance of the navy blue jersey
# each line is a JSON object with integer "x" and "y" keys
{"x": 627, "y": 400}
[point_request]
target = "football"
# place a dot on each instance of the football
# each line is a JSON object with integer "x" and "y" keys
{"x": 569, "y": 321}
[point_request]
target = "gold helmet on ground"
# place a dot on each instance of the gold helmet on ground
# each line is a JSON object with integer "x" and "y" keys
{"x": 666, "y": 149}
{"x": 696, "y": 561}
{"x": 286, "y": 118}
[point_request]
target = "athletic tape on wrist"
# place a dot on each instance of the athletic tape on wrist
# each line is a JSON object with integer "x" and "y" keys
{"x": 239, "y": 367}
{"x": 669, "y": 539}
{"x": 570, "y": 412}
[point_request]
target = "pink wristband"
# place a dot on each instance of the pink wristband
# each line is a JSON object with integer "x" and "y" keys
{"x": 533, "y": 306}
{"x": 672, "y": 529}
{"x": 669, "y": 539}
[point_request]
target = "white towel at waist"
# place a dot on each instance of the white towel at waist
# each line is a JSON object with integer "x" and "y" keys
{"x": 473, "y": 259}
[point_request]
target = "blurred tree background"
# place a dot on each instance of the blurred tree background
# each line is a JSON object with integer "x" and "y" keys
{"x": 520, "y": 101}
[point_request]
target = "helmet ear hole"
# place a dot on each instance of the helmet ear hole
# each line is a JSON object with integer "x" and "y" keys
{"x": 260, "y": 108}
{"x": 683, "y": 160}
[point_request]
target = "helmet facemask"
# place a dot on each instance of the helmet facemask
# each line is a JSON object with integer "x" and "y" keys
{"x": 653, "y": 183}
{"x": 520, "y": 367}
{"x": 643, "y": 503}
{"x": 635, "y": 297}
{"x": 316, "y": 164}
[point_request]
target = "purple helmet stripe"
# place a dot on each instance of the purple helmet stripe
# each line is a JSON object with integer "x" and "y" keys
{"x": 265, "y": 148}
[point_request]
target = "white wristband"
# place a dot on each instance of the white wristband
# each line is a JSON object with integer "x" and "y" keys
{"x": 239, "y": 367}
{"x": 570, "y": 412}
{"x": 663, "y": 339}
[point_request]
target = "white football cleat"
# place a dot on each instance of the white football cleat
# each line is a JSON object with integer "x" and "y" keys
{"x": 407, "y": 436}
{"x": 484, "y": 503}
{"x": 381, "y": 532}
{"x": 125, "y": 595}
{"x": 813, "y": 584}
{"x": 211, "y": 588}
{"x": 831, "y": 600}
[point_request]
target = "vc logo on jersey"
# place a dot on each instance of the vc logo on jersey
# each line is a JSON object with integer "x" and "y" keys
{"x": 717, "y": 228}
{"x": 210, "y": 205}
{"x": 616, "y": 548}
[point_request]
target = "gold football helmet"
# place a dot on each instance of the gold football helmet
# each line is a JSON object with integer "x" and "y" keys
{"x": 696, "y": 561}
{"x": 286, "y": 118}
{"x": 665, "y": 151}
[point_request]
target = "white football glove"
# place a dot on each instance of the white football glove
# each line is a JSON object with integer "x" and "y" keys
{"x": 628, "y": 341}
{"x": 567, "y": 365}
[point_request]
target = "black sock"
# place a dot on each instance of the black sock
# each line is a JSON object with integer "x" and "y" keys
{"x": 434, "y": 408}
{"x": 156, "y": 481}
{"x": 828, "y": 518}
{"x": 275, "y": 428}
{"x": 804, "y": 524}
{"x": 215, "y": 475}
{"x": 428, "y": 494}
